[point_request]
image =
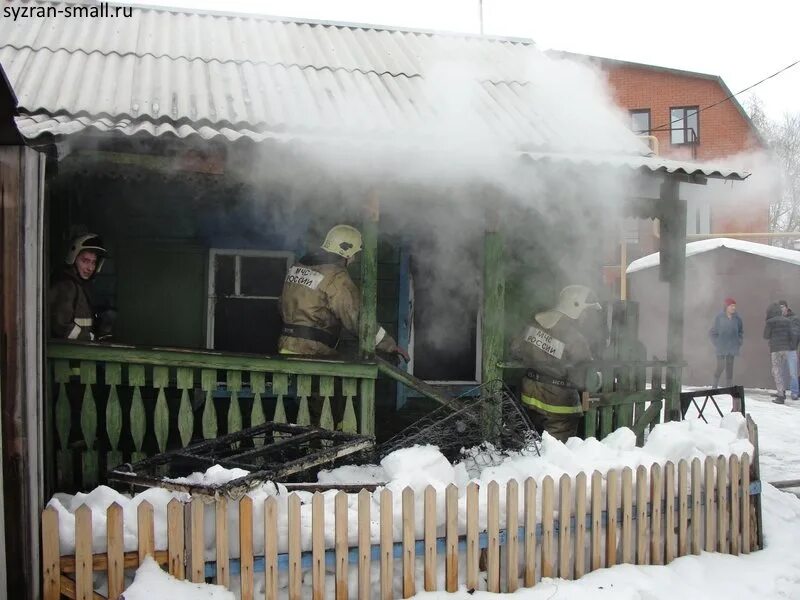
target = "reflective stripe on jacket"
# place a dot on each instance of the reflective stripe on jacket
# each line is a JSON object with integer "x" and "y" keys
{"x": 551, "y": 408}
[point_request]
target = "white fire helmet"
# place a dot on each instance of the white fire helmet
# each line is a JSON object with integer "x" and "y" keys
{"x": 572, "y": 301}
{"x": 87, "y": 241}
{"x": 343, "y": 240}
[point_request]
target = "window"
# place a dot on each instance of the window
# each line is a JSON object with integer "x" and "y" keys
{"x": 243, "y": 291}
{"x": 640, "y": 121}
{"x": 684, "y": 125}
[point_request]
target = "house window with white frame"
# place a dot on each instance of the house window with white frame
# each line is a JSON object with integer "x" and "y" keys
{"x": 244, "y": 288}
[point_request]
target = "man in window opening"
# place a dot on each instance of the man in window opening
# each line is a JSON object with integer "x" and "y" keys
{"x": 319, "y": 298}
{"x": 72, "y": 313}
{"x": 557, "y": 354}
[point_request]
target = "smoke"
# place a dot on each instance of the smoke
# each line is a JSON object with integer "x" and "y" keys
{"x": 444, "y": 160}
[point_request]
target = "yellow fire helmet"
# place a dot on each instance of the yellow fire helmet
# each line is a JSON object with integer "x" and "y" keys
{"x": 343, "y": 240}
{"x": 572, "y": 301}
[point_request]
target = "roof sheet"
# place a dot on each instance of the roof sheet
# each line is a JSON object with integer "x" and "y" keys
{"x": 172, "y": 72}
{"x": 702, "y": 246}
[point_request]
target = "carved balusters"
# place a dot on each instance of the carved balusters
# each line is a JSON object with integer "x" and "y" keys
{"x": 90, "y": 465}
{"x": 280, "y": 387}
{"x": 136, "y": 380}
{"x": 234, "y": 382}
{"x": 257, "y": 387}
{"x": 208, "y": 381}
{"x": 185, "y": 382}
{"x": 161, "y": 410}
{"x": 326, "y": 390}
{"x": 113, "y": 414}
{"x": 61, "y": 375}
{"x": 349, "y": 391}
{"x": 303, "y": 394}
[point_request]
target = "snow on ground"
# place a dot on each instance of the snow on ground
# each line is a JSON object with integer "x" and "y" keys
{"x": 152, "y": 583}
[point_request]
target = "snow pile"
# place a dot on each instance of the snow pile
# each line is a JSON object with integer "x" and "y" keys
{"x": 417, "y": 468}
{"x": 215, "y": 475}
{"x": 151, "y": 583}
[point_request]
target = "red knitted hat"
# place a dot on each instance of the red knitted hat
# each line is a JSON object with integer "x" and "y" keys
{"x": 729, "y": 301}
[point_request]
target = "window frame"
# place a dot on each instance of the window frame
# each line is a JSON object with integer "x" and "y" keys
{"x": 639, "y": 111}
{"x": 684, "y": 130}
{"x": 213, "y": 253}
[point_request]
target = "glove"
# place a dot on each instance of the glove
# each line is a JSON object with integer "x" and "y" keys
{"x": 104, "y": 324}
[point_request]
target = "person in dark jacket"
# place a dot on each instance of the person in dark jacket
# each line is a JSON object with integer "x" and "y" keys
{"x": 778, "y": 332}
{"x": 791, "y": 357}
{"x": 72, "y": 314}
{"x": 726, "y": 334}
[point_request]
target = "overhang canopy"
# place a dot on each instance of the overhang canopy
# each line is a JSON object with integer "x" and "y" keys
{"x": 180, "y": 74}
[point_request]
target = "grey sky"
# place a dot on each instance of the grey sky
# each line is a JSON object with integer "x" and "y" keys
{"x": 741, "y": 41}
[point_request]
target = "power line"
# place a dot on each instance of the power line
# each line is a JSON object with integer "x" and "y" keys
{"x": 665, "y": 125}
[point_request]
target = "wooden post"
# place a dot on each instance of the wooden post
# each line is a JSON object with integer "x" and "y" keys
{"x": 451, "y": 560}
{"x": 493, "y": 310}
{"x": 493, "y": 532}
{"x": 409, "y": 539}
{"x": 387, "y": 539}
{"x": 364, "y": 547}
{"x": 51, "y": 569}
{"x": 293, "y": 532}
{"x": 512, "y": 536}
{"x": 429, "y": 524}
{"x": 673, "y": 234}
{"x": 318, "y": 546}
{"x": 246, "y": 560}
{"x": 115, "y": 549}
{"x": 368, "y": 324}
{"x": 223, "y": 554}
{"x": 340, "y": 542}
{"x": 530, "y": 532}
{"x": 473, "y": 547}
{"x": 271, "y": 547}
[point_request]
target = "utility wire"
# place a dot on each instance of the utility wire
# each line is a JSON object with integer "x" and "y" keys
{"x": 665, "y": 125}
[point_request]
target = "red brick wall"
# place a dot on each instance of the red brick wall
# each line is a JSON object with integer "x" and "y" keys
{"x": 723, "y": 131}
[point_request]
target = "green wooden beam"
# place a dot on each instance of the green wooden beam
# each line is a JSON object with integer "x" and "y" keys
{"x": 492, "y": 318}
{"x": 368, "y": 324}
{"x": 673, "y": 232}
{"x": 209, "y": 360}
{"x": 368, "y": 321}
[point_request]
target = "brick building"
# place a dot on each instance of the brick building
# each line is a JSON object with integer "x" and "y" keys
{"x": 667, "y": 104}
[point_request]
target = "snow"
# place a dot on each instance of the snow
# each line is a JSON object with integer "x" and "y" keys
{"x": 417, "y": 468}
{"x": 151, "y": 583}
{"x": 692, "y": 248}
{"x": 771, "y": 574}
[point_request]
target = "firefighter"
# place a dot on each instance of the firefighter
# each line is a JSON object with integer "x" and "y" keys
{"x": 557, "y": 353}
{"x": 72, "y": 314}
{"x": 319, "y": 299}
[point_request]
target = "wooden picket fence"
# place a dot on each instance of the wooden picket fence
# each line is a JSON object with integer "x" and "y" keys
{"x": 668, "y": 512}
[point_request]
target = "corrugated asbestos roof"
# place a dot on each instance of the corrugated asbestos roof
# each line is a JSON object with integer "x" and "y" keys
{"x": 165, "y": 72}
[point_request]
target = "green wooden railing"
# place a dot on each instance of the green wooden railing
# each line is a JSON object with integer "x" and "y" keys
{"x": 633, "y": 395}
{"x": 115, "y": 404}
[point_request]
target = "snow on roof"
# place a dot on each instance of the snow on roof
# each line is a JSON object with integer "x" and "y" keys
{"x": 692, "y": 248}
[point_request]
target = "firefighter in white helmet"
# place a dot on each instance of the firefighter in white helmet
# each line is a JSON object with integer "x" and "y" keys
{"x": 72, "y": 313}
{"x": 319, "y": 299}
{"x": 557, "y": 354}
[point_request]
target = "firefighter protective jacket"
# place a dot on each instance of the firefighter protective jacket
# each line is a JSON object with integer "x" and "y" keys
{"x": 318, "y": 293}
{"x": 551, "y": 351}
{"x": 70, "y": 303}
